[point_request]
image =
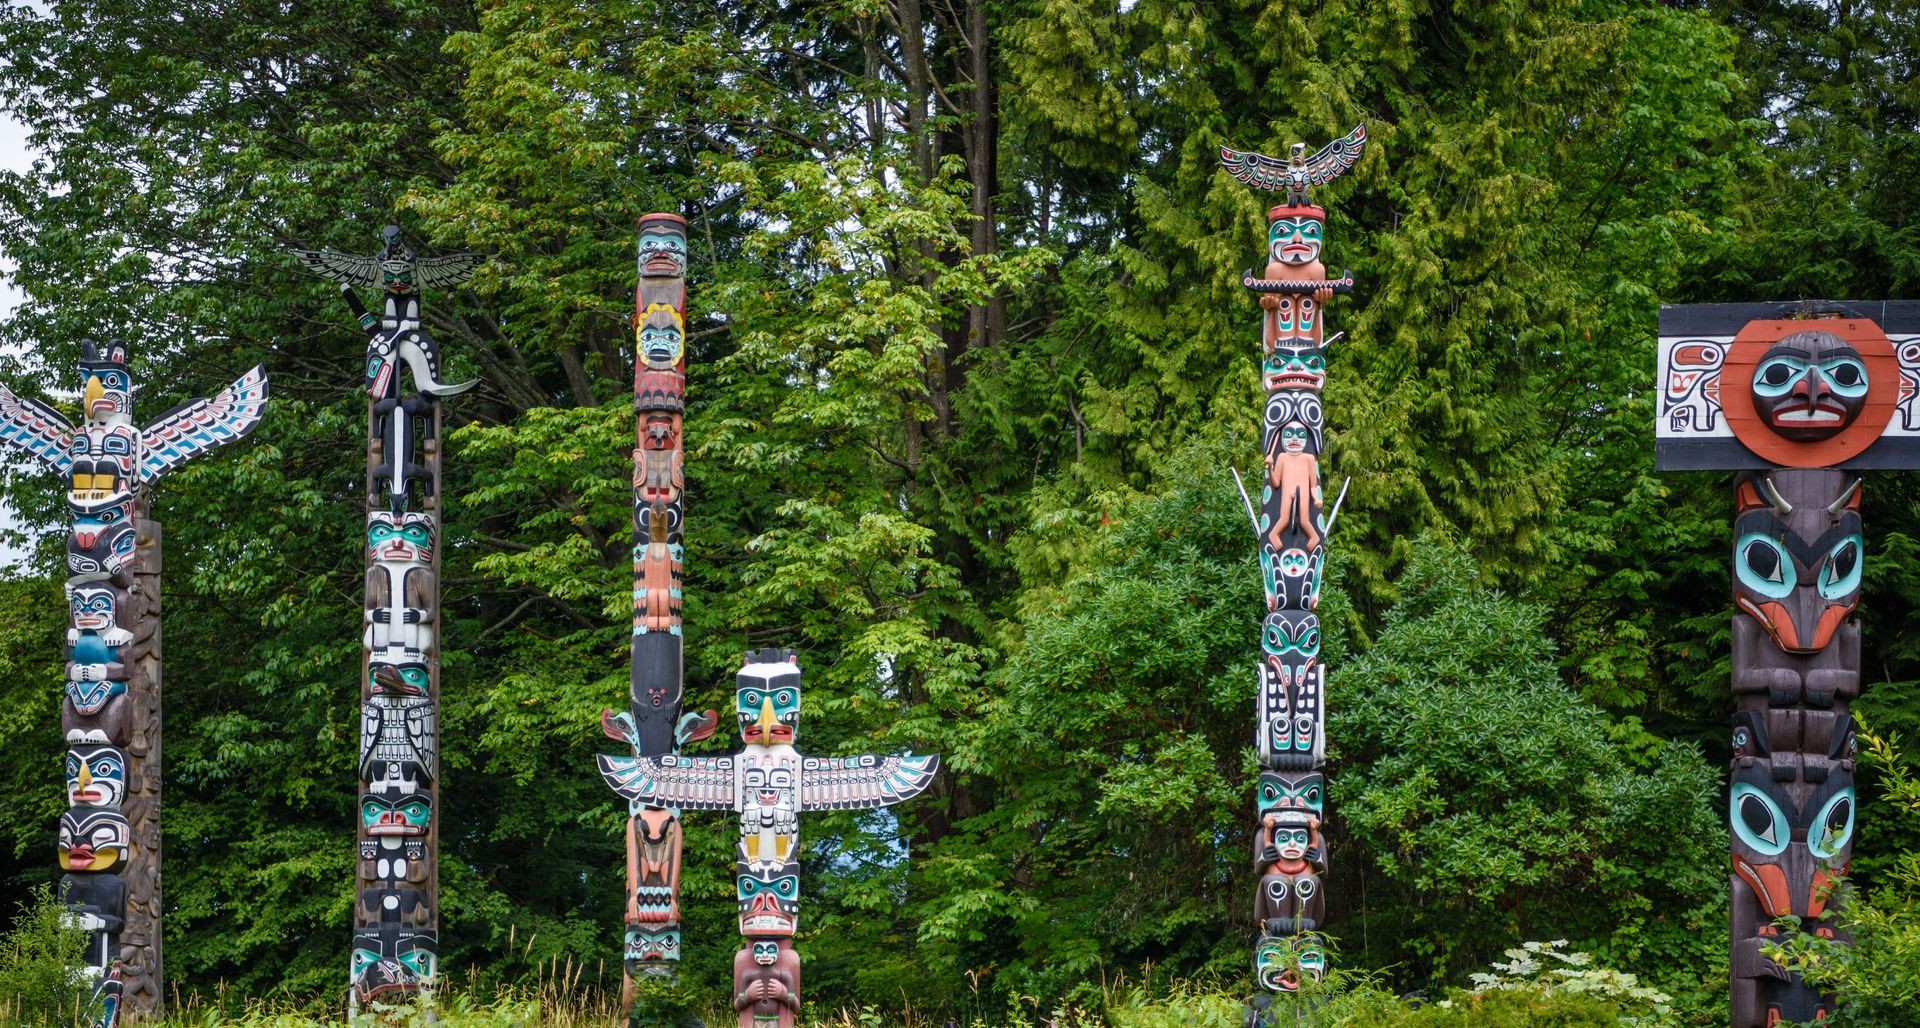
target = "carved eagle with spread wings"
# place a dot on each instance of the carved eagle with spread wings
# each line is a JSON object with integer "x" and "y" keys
{"x": 175, "y": 437}
{"x": 396, "y": 268}
{"x": 1298, "y": 171}
{"x": 826, "y": 783}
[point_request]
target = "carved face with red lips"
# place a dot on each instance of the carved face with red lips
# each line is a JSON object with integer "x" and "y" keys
{"x": 93, "y": 839}
{"x": 1800, "y": 590}
{"x": 766, "y": 700}
{"x": 404, "y": 538}
{"x": 96, "y": 776}
{"x": 1809, "y": 386}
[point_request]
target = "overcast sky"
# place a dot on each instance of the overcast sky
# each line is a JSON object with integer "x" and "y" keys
{"x": 14, "y": 156}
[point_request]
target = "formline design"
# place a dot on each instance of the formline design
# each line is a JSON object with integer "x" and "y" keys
{"x": 653, "y": 724}
{"x": 1797, "y": 399}
{"x": 109, "y": 839}
{"x": 396, "y": 911}
{"x": 769, "y": 784}
{"x": 1291, "y": 526}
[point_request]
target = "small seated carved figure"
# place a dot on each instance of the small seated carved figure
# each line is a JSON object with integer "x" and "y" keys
{"x": 766, "y": 984}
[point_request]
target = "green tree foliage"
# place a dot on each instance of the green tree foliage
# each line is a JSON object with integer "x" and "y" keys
{"x": 38, "y": 955}
{"x": 969, "y": 359}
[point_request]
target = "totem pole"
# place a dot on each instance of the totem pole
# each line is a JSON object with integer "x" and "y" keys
{"x": 397, "y": 914}
{"x": 1796, "y": 399}
{"x": 110, "y": 835}
{"x": 652, "y": 724}
{"x": 1289, "y": 852}
{"x": 769, "y": 784}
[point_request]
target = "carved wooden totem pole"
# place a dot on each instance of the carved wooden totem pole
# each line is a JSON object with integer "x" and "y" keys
{"x": 769, "y": 784}
{"x": 653, "y": 725}
{"x": 397, "y": 913}
{"x": 1797, "y": 399}
{"x": 1289, "y": 853}
{"x": 109, "y": 840}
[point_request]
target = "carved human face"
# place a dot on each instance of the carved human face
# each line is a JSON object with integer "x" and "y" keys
{"x": 93, "y": 606}
{"x": 663, "y": 248}
{"x": 1294, "y": 239}
{"x": 651, "y": 945}
{"x": 1280, "y": 791}
{"x": 1280, "y": 961}
{"x": 1295, "y": 367}
{"x": 1810, "y": 386}
{"x": 769, "y": 899}
{"x": 382, "y": 814}
{"x": 93, "y": 839}
{"x": 661, "y": 336}
{"x": 767, "y": 702}
{"x": 765, "y": 953}
{"x": 96, "y": 776}
{"x": 405, "y": 538}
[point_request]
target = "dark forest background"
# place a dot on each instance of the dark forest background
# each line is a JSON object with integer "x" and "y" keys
{"x": 969, "y": 365}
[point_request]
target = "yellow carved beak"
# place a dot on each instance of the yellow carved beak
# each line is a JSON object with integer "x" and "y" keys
{"x": 767, "y": 720}
{"x": 94, "y": 392}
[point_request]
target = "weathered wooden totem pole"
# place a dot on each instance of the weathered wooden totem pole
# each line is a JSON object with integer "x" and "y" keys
{"x": 397, "y": 915}
{"x": 1797, "y": 399}
{"x": 769, "y": 784}
{"x": 109, "y": 840}
{"x": 653, "y": 725}
{"x": 1289, "y": 852}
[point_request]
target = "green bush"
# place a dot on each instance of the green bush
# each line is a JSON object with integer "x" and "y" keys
{"x": 39, "y": 983}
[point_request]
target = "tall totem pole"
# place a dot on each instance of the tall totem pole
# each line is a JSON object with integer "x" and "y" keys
{"x": 769, "y": 784}
{"x": 1289, "y": 852}
{"x": 1797, "y": 399}
{"x": 396, "y": 917}
{"x": 653, "y": 725}
{"x": 109, "y": 839}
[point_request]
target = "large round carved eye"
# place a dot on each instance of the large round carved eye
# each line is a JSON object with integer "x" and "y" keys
{"x": 783, "y": 698}
{"x": 1758, "y": 820}
{"x": 1764, "y": 566}
{"x": 1276, "y": 889}
{"x": 1832, "y": 828}
{"x": 1306, "y": 887}
{"x": 1774, "y": 377}
{"x": 1846, "y": 376}
{"x": 1841, "y": 573}
{"x": 750, "y": 697}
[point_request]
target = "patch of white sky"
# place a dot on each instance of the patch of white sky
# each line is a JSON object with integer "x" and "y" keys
{"x": 16, "y": 154}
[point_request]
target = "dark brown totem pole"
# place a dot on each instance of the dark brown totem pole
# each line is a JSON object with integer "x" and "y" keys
{"x": 1289, "y": 851}
{"x": 1797, "y": 399}
{"x": 769, "y": 784}
{"x": 109, "y": 841}
{"x": 396, "y": 917}
{"x": 652, "y": 724}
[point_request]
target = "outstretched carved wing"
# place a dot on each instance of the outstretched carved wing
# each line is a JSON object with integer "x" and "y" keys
{"x": 28, "y": 425}
{"x": 695, "y": 783}
{"x": 200, "y": 425}
{"x": 1254, "y": 169}
{"x": 442, "y": 272}
{"x": 1336, "y": 157}
{"x": 1327, "y": 163}
{"x": 352, "y": 268}
{"x": 864, "y": 782}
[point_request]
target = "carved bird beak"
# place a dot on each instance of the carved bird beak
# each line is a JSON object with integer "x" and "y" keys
{"x": 95, "y": 393}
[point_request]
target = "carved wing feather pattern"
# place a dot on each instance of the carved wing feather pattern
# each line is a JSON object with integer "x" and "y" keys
{"x": 443, "y": 272}
{"x": 1254, "y": 169}
{"x": 1263, "y": 172}
{"x": 200, "y": 425}
{"x": 37, "y": 429}
{"x": 864, "y": 782}
{"x": 1336, "y": 157}
{"x": 351, "y": 268}
{"x": 694, "y": 783}
{"x": 30, "y": 426}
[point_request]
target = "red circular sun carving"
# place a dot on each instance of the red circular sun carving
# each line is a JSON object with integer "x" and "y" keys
{"x": 1737, "y": 402}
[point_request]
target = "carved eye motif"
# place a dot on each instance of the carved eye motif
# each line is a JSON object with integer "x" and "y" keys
{"x": 1758, "y": 820}
{"x": 1764, "y": 566}
{"x": 1832, "y": 828}
{"x": 1840, "y": 573}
